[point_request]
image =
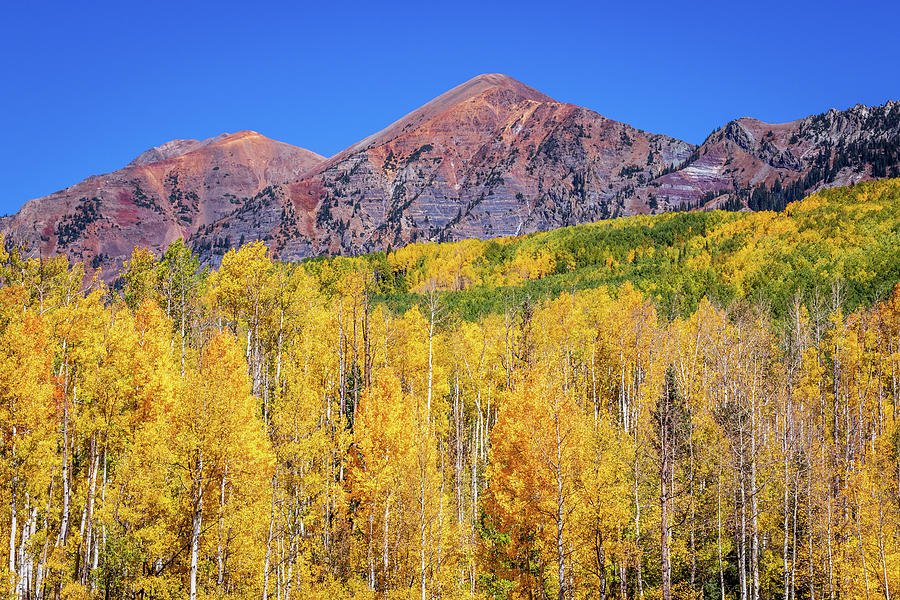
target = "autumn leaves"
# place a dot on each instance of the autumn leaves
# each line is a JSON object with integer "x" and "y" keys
{"x": 272, "y": 431}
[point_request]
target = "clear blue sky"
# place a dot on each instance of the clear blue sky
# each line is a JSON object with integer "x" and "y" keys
{"x": 86, "y": 86}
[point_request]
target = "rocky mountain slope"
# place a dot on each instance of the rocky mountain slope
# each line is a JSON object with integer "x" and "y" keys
{"x": 762, "y": 166}
{"x": 490, "y": 157}
{"x": 167, "y": 192}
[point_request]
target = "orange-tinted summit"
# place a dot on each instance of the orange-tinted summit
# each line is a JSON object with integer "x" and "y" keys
{"x": 478, "y": 91}
{"x": 175, "y": 189}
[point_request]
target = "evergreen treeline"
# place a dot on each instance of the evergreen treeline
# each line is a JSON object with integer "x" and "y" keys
{"x": 289, "y": 431}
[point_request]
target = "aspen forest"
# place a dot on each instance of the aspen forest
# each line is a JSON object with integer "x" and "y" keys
{"x": 683, "y": 406}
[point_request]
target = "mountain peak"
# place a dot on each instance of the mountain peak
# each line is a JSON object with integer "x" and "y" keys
{"x": 237, "y": 136}
{"x": 486, "y": 82}
{"x": 476, "y": 87}
{"x": 167, "y": 150}
{"x": 177, "y": 148}
{"x": 495, "y": 78}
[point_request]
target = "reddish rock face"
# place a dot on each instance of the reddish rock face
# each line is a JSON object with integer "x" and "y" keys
{"x": 167, "y": 192}
{"x": 749, "y": 163}
{"x": 490, "y": 157}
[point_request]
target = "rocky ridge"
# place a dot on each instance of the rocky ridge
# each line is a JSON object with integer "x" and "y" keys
{"x": 491, "y": 157}
{"x": 757, "y": 165}
{"x": 168, "y": 192}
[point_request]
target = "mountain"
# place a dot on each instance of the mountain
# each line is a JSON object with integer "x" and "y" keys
{"x": 167, "y": 192}
{"x": 764, "y": 166}
{"x": 491, "y": 157}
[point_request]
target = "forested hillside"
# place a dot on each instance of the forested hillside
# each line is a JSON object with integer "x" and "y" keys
{"x": 849, "y": 234}
{"x": 681, "y": 406}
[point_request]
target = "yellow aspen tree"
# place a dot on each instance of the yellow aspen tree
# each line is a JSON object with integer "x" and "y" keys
{"x": 26, "y": 432}
{"x": 218, "y": 435}
{"x": 384, "y": 457}
{"x": 537, "y": 448}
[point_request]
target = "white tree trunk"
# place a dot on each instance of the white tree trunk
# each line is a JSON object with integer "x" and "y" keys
{"x": 197, "y": 528}
{"x": 269, "y": 539}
